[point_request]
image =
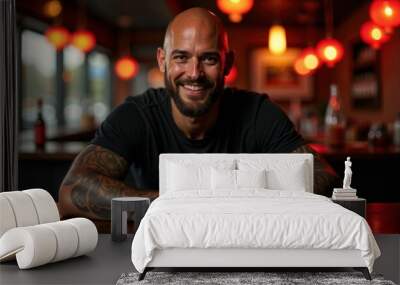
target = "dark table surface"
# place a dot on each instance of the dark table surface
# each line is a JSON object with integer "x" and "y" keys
{"x": 110, "y": 259}
{"x": 104, "y": 265}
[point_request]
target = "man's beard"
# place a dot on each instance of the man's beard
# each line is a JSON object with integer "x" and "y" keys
{"x": 202, "y": 81}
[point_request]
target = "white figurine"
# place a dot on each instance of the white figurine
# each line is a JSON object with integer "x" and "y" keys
{"x": 347, "y": 174}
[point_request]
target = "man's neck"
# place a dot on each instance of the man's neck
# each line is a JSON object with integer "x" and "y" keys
{"x": 195, "y": 128}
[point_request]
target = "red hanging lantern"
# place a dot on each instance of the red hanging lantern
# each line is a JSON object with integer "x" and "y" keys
{"x": 126, "y": 67}
{"x": 330, "y": 51}
{"x": 310, "y": 59}
{"x": 83, "y": 40}
{"x": 231, "y": 77}
{"x": 52, "y": 8}
{"x": 307, "y": 62}
{"x": 58, "y": 36}
{"x": 385, "y": 13}
{"x": 373, "y": 34}
{"x": 235, "y": 8}
{"x": 300, "y": 68}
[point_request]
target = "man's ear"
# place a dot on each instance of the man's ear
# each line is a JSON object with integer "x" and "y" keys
{"x": 161, "y": 59}
{"x": 230, "y": 58}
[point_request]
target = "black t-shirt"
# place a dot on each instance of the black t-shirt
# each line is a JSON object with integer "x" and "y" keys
{"x": 142, "y": 128}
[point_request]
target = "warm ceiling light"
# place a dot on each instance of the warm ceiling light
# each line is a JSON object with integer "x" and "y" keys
{"x": 235, "y": 8}
{"x": 310, "y": 59}
{"x": 385, "y": 13}
{"x": 300, "y": 68}
{"x": 376, "y": 34}
{"x": 373, "y": 34}
{"x": 388, "y": 11}
{"x": 58, "y": 36}
{"x": 52, "y": 8}
{"x": 126, "y": 67}
{"x": 231, "y": 77}
{"x": 330, "y": 51}
{"x": 83, "y": 40}
{"x": 277, "y": 39}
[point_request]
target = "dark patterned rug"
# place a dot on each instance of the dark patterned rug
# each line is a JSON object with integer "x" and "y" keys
{"x": 242, "y": 278}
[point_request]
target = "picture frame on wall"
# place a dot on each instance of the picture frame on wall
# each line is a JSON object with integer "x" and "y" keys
{"x": 275, "y": 75}
{"x": 366, "y": 82}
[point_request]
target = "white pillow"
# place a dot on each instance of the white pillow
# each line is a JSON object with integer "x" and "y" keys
{"x": 251, "y": 178}
{"x": 223, "y": 179}
{"x": 182, "y": 178}
{"x": 283, "y": 174}
{"x": 188, "y": 175}
{"x": 237, "y": 179}
{"x": 292, "y": 179}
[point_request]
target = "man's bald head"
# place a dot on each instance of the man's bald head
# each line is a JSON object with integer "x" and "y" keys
{"x": 199, "y": 19}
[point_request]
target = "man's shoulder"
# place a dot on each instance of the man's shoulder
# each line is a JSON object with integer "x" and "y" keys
{"x": 138, "y": 105}
{"x": 246, "y": 96}
{"x": 150, "y": 98}
{"x": 246, "y": 99}
{"x": 249, "y": 105}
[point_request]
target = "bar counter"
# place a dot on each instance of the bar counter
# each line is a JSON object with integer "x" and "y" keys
{"x": 54, "y": 150}
{"x": 51, "y": 151}
{"x": 375, "y": 170}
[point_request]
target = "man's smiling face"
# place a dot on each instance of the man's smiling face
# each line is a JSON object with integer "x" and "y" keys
{"x": 193, "y": 61}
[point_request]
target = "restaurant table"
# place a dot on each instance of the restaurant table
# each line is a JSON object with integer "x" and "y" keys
{"x": 104, "y": 265}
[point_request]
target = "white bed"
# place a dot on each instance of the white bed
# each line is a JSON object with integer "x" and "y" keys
{"x": 247, "y": 210}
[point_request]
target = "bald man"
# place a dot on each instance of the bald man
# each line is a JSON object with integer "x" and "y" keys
{"x": 194, "y": 113}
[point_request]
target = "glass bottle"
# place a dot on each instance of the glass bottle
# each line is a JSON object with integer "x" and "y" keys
{"x": 334, "y": 120}
{"x": 40, "y": 126}
{"x": 378, "y": 135}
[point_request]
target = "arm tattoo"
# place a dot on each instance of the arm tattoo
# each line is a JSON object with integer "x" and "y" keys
{"x": 325, "y": 178}
{"x": 95, "y": 178}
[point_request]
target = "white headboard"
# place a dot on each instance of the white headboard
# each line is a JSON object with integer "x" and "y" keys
{"x": 306, "y": 157}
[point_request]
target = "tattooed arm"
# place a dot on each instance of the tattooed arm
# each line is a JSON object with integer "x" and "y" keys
{"x": 94, "y": 178}
{"x": 325, "y": 178}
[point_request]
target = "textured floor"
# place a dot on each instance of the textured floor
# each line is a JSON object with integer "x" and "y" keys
{"x": 231, "y": 278}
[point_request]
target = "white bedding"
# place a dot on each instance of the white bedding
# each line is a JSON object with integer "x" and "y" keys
{"x": 251, "y": 218}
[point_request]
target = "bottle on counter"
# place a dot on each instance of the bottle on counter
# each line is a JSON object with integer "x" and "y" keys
{"x": 295, "y": 113}
{"x": 378, "y": 135}
{"x": 396, "y": 131}
{"x": 335, "y": 122}
{"x": 309, "y": 125}
{"x": 40, "y": 126}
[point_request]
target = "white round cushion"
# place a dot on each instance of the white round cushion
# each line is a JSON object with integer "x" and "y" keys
{"x": 26, "y": 208}
{"x": 23, "y": 208}
{"x": 7, "y": 218}
{"x": 33, "y": 246}
{"x": 67, "y": 240}
{"x": 87, "y": 235}
{"x": 45, "y": 243}
{"x": 45, "y": 205}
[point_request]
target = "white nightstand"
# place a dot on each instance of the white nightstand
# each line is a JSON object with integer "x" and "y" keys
{"x": 358, "y": 205}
